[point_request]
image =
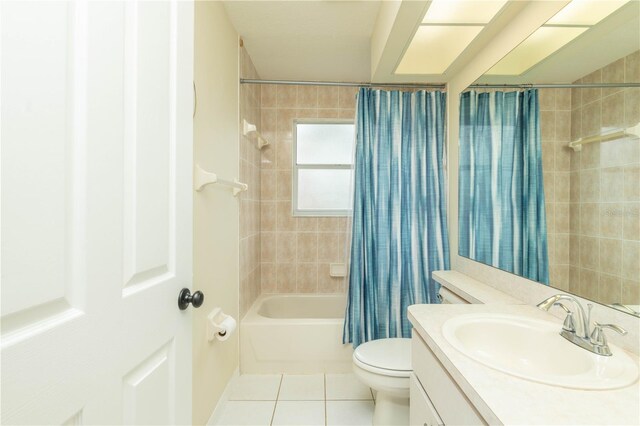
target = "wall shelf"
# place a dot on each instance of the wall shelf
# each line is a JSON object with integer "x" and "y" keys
{"x": 250, "y": 130}
{"x": 616, "y": 134}
{"x": 203, "y": 178}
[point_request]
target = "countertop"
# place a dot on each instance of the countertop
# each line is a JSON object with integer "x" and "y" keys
{"x": 502, "y": 398}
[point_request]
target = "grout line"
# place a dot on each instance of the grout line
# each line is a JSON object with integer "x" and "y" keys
{"x": 273, "y": 414}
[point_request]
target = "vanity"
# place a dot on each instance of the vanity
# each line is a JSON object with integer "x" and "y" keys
{"x": 449, "y": 387}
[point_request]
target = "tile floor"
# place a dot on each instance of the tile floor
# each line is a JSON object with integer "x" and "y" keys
{"x": 284, "y": 399}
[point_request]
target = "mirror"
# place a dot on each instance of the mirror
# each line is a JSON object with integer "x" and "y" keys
{"x": 549, "y": 178}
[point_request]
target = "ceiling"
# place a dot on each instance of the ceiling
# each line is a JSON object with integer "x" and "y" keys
{"x": 307, "y": 40}
{"x": 331, "y": 40}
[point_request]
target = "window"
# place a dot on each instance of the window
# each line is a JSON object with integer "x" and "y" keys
{"x": 322, "y": 167}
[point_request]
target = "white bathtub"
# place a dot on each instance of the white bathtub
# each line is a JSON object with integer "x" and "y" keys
{"x": 294, "y": 334}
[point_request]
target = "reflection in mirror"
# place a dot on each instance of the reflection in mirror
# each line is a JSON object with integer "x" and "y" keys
{"x": 550, "y": 160}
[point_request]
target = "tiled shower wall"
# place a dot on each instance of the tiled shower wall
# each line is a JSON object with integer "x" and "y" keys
{"x": 296, "y": 251}
{"x": 249, "y": 200}
{"x": 605, "y": 189}
{"x": 555, "y": 129}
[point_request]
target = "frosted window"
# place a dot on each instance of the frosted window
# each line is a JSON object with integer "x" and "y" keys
{"x": 323, "y": 167}
{"x": 324, "y": 143}
{"x": 324, "y": 189}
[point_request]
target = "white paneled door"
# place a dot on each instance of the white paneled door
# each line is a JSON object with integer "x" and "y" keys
{"x": 96, "y": 139}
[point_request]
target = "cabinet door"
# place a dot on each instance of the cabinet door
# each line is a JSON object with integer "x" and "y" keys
{"x": 422, "y": 411}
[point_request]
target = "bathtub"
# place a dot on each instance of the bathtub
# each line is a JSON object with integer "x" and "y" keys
{"x": 296, "y": 334}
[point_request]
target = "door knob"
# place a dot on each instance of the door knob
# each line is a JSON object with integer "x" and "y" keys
{"x": 185, "y": 297}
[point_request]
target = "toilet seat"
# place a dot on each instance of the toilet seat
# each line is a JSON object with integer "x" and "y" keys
{"x": 388, "y": 357}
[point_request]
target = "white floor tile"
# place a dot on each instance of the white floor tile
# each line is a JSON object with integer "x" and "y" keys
{"x": 302, "y": 388}
{"x": 299, "y": 413}
{"x": 346, "y": 386}
{"x": 253, "y": 413}
{"x": 352, "y": 413}
{"x": 255, "y": 387}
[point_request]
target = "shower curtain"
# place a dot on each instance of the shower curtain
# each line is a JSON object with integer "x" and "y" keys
{"x": 501, "y": 195}
{"x": 399, "y": 232}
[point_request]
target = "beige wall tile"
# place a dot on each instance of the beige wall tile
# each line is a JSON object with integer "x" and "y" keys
{"x": 613, "y": 111}
{"x": 576, "y": 123}
{"x": 307, "y": 247}
{"x": 610, "y": 290}
{"x": 347, "y": 97}
{"x": 632, "y": 106}
{"x": 589, "y": 219}
{"x": 329, "y": 113}
{"x": 307, "y": 277}
{"x": 590, "y": 185}
{"x": 283, "y": 190}
{"x": 285, "y": 123}
{"x": 328, "y": 97}
{"x": 268, "y": 185}
{"x": 612, "y": 184}
{"x": 562, "y": 218}
{"x": 563, "y": 126}
{"x": 269, "y": 95}
{"x": 347, "y": 114}
{"x": 286, "y": 247}
{"x": 307, "y": 224}
{"x": 613, "y": 73}
{"x": 630, "y": 292}
{"x": 548, "y": 156}
{"x": 327, "y": 283}
{"x": 591, "y": 118}
{"x": 574, "y": 187}
{"x": 307, "y": 97}
{"x": 632, "y": 67}
{"x": 631, "y": 260}
{"x": 590, "y": 156}
{"x": 563, "y": 99}
{"x": 268, "y": 215}
{"x": 590, "y": 283}
{"x": 287, "y": 96}
{"x": 329, "y": 249}
{"x": 284, "y": 220}
{"x": 589, "y": 252}
{"x": 610, "y": 253}
{"x": 611, "y": 220}
{"x": 286, "y": 276}
{"x": 562, "y": 182}
{"x": 590, "y": 95}
{"x": 268, "y": 247}
{"x": 632, "y": 182}
{"x": 548, "y": 126}
{"x": 268, "y": 277}
{"x": 631, "y": 222}
{"x": 547, "y": 99}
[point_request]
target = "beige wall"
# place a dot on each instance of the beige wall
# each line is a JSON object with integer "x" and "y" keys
{"x": 296, "y": 251}
{"x": 249, "y": 200}
{"x": 530, "y": 292}
{"x": 605, "y": 189}
{"x": 215, "y": 209}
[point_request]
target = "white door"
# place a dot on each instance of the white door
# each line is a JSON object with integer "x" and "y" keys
{"x": 96, "y": 129}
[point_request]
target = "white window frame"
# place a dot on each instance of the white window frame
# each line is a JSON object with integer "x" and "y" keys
{"x": 295, "y": 167}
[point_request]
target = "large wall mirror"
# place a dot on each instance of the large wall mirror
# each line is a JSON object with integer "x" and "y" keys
{"x": 549, "y": 154}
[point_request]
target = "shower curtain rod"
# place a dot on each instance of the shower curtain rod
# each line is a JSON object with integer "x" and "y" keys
{"x": 440, "y": 86}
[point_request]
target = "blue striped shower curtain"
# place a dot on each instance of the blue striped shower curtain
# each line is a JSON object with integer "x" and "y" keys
{"x": 399, "y": 233}
{"x": 501, "y": 195}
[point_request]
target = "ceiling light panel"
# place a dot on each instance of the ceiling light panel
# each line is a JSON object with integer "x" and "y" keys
{"x": 434, "y": 48}
{"x": 542, "y": 43}
{"x": 586, "y": 12}
{"x": 462, "y": 11}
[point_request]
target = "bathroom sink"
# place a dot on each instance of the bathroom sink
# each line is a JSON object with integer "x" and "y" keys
{"x": 534, "y": 350}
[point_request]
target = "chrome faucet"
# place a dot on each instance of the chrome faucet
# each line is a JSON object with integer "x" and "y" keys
{"x": 579, "y": 332}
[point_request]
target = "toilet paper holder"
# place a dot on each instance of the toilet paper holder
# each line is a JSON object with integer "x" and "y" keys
{"x": 219, "y": 325}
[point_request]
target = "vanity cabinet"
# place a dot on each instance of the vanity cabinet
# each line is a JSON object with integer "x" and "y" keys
{"x": 436, "y": 399}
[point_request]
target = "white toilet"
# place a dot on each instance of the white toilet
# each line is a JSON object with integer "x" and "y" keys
{"x": 385, "y": 366}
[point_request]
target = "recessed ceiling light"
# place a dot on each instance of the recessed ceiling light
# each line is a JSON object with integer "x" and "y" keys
{"x": 462, "y": 11}
{"x": 434, "y": 48}
{"x": 542, "y": 43}
{"x": 586, "y": 12}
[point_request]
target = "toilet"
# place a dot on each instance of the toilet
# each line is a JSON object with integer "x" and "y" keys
{"x": 385, "y": 366}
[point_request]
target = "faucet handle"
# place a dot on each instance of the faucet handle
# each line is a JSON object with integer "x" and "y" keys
{"x": 598, "y": 337}
{"x": 569, "y": 323}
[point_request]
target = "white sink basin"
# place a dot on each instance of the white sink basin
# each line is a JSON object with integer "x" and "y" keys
{"x": 534, "y": 350}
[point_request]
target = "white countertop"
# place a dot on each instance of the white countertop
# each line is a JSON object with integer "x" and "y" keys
{"x": 502, "y": 398}
{"x": 471, "y": 290}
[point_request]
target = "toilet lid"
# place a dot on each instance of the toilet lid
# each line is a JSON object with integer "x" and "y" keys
{"x": 388, "y": 354}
